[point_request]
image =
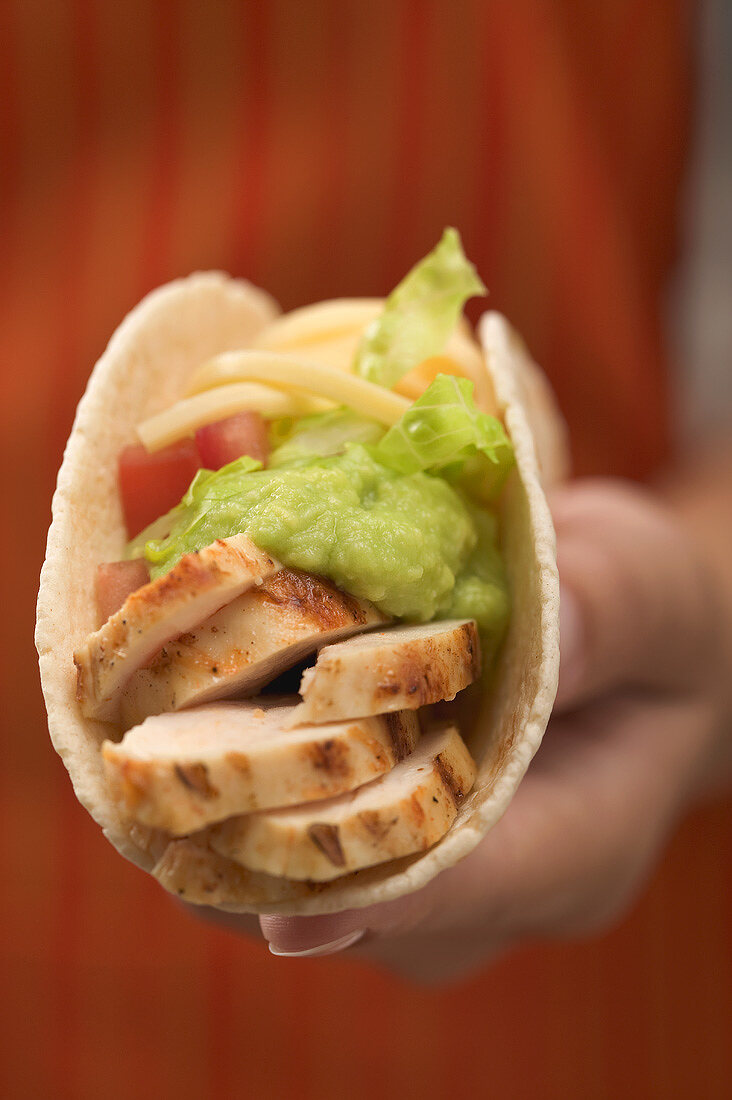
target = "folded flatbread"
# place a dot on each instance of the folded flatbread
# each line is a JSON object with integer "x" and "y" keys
{"x": 145, "y": 368}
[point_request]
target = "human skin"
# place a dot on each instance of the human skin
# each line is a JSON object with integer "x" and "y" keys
{"x": 641, "y": 731}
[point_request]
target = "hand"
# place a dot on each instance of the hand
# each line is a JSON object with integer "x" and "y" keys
{"x": 637, "y": 731}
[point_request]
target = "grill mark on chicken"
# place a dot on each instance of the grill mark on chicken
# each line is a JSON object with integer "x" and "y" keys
{"x": 324, "y": 604}
{"x": 189, "y": 573}
{"x": 450, "y": 780}
{"x": 388, "y": 687}
{"x": 195, "y": 778}
{"x": 135, "y": 787}
{"x": 376, "y": 825}
{"x": 330, "y": 757}
{"x": 240, "y": 761}
{"x": 416, "y": 810}
{"x": 412, "y": 677}
{"x": 415, "y": 676}
{"x": 400, "y": 740}
{"x": 327, "y": 839}
{"x": 79, "y": 683}
{"x": 471, "y": 642}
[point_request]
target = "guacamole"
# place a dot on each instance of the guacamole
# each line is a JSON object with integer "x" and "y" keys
{"x": 409, "y": 543}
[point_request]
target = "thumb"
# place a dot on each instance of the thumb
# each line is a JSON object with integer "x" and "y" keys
{"x": 636, "y": 609}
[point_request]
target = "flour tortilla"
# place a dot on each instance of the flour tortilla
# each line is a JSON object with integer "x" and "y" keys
{"x": 144, "y": 370}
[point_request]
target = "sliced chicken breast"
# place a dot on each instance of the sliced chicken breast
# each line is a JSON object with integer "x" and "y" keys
{"x": 199, "y": 584}
{"x": 182, "y": 771}
{"x": 401, "y": 668}
{"x": 405, "y": 811}
{"x": 246, "y": 644}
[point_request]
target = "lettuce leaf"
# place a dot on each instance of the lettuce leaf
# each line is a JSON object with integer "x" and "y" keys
{"x": 158, "y": 529}
{"x": 419, "y": 314}
{"x": 244, "y": 465}
{"x": 444, "y": 432}
{"x": 322, "y": 434}
{"x": 182, "y": 524}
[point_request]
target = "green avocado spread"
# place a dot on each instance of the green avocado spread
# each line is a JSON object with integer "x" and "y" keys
{"x": 409, "y": 543}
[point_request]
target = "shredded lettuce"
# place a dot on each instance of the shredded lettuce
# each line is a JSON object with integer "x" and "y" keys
{"x": 158, "y": 529}
{"x": 244, "y": 465}
{"x": 324, "y": 434}
{"x": 443, "y": 431}
{"x": 419, "y": 314}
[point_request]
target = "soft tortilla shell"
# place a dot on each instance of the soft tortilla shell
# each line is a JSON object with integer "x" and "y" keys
{"x": 144, "y": 369}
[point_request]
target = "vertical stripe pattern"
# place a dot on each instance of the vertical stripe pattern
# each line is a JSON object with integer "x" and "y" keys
{"x": 320, "y": 149}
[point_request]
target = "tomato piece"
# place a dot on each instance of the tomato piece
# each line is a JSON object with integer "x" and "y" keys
{"x": 151, "y": 484}
{"x": 116, "y": 580}
{"x": 245, "y": 433}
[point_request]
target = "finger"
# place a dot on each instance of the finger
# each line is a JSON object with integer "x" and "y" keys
{"x": 635, "y": 609}
{"x": 299, "y": 937}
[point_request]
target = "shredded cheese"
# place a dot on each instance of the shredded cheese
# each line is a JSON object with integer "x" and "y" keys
{"x": 330, "y": 332}
{"x": 319, "y": 323}
{"x": 289, "y": 372}
{"x": 186, "y": 416}
{"x": 273, "y": 379}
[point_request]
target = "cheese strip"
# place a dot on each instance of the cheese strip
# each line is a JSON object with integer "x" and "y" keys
{"x": 186, "y": 416}
{"x": 341, "y": 322}
{"x": 289, "y": 372}
{"x": 322, "y": 322}
{"x": 330, "y": 332}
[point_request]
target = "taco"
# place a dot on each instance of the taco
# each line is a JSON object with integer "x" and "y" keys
{"x": 298, "y": 617}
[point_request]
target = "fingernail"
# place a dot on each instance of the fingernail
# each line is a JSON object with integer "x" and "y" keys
{"x": 322, "y": 948}
{"x": 570, "y": 644}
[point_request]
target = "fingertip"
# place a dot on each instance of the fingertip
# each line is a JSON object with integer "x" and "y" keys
{"x": 328, "y": 933}
{"x": 307, "y": 936}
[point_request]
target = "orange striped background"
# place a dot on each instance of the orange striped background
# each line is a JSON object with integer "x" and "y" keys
{"x": 319, "y": 148}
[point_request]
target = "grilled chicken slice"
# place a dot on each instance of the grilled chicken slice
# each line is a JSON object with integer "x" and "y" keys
{"x": 182, "y": 771}
{"x": 199, "y": 584}
{"x": 403, "y": 667}
{"x": 403, "y": 812}
{"x": 246, "y": 644}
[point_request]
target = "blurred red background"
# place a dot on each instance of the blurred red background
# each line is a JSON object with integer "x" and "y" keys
{"x": 319, "y": 149}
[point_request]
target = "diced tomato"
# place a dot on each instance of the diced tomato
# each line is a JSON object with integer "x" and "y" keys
{"x": 116, "y": 580}
{"x": 245, "y": 433}
{"x": 151, "y": 484}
